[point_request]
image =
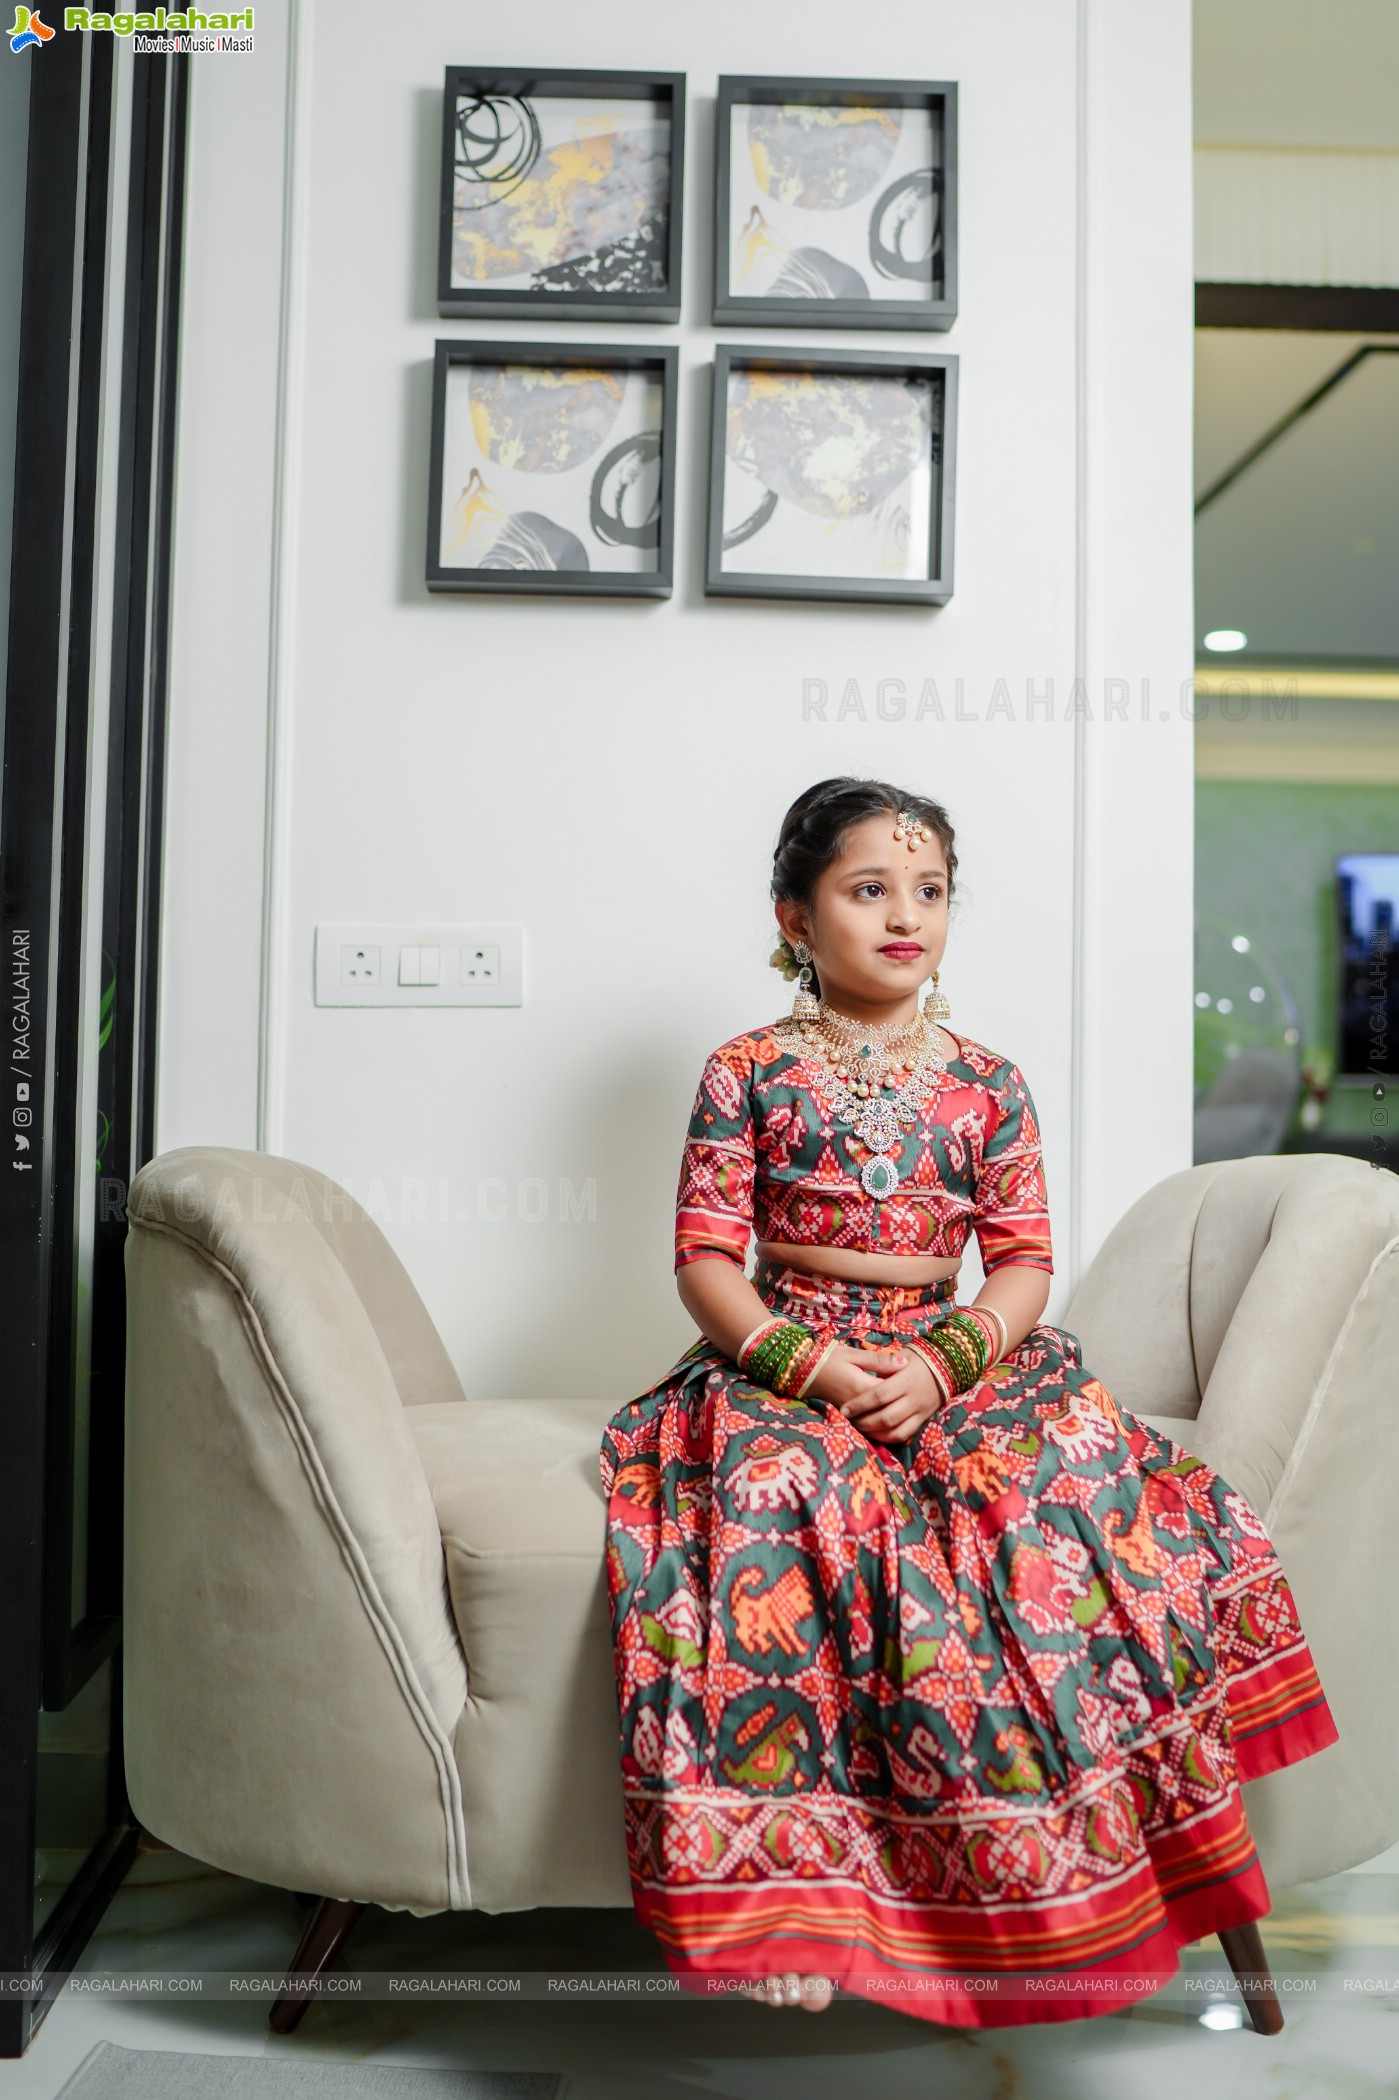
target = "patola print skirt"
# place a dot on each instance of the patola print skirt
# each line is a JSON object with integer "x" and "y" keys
{"x": 960, "y": 1722}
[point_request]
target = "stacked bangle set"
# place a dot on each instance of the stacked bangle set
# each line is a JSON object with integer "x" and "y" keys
{"x": 963, "y": 1345}
{"x": 785, "y": 1356}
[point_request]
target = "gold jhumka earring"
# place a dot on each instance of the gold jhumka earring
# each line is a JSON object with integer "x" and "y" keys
{"x": 805, "y": 1007}
{"x": 937, "y": 1006}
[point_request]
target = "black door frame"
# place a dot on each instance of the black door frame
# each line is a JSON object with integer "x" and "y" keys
{"x": 48, "y": 1649}
{"x": 1357, "y": 309}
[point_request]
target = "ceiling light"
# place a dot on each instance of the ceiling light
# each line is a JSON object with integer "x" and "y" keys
{"x": 1223, "y": 639}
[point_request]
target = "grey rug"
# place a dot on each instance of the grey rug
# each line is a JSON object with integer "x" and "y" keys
{"x": 109, "y": 2073}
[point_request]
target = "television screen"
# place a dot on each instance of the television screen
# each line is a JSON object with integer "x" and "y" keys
{"x": 1367, "y": 959}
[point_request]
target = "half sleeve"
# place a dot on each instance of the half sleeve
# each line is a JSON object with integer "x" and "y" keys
{"x": 714, "y": 1207}
{"x": 1011, "y": 1217}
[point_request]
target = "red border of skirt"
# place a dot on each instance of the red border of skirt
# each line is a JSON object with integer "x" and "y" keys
{"x": 1203, "y": 1879}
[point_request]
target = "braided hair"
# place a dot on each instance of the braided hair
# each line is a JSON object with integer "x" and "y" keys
{"x": 814, "y": 832}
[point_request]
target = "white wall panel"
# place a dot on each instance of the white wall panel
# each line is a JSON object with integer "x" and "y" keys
{"x": 611, "y": 775}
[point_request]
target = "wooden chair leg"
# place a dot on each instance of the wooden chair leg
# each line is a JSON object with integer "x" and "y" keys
{"x": 1243, "y": 1950}
{"x": 327, "y": 1929}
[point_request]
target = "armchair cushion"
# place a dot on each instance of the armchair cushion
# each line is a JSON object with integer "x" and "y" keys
{"x": 524, "y": 1524}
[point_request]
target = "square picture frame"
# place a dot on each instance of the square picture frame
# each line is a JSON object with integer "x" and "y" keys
{"x": 561, "y": 195}
{"x": 547, "y": 456}
{"x": 839, "y": 451}
{"x": 826, "y": 194}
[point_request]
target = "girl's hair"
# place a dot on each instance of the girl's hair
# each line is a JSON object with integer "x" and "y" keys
{"x": 814, "y": 832}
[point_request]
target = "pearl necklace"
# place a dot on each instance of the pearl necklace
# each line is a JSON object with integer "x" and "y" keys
{"x": 858, "y": 1075}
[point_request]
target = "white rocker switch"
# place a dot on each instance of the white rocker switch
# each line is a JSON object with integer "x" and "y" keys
{"x": 429, "y": 966}
{"x": 408, "y": 965}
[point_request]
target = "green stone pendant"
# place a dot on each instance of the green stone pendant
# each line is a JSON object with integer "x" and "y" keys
{"x": 879, "y": 1176}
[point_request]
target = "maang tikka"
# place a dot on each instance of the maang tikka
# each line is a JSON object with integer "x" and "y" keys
{"x": 805, "y": 1006}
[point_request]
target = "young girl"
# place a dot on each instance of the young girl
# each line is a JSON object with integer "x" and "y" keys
{"x": 938, "y": 1671}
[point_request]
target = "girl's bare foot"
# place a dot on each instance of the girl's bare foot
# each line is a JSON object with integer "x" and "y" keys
{"x": 813, "y": 1993}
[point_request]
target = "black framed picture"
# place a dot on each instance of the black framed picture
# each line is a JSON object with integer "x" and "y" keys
{"x": 552, "y": 469}
{"x": 835, "y": 203}
{"x": 561, "y": 195}
{"x": 832, "y": 476}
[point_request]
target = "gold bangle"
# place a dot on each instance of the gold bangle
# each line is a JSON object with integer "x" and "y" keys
{"x": 1000, "y": 1320}
{"x": 942, "y": 1376}
{"x": 805, "y": 1385}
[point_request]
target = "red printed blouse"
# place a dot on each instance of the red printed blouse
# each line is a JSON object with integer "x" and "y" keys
{"x": 765, "y": 1153}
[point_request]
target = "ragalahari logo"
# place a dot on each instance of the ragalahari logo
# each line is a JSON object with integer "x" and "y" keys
{"x": 28, "y": 29}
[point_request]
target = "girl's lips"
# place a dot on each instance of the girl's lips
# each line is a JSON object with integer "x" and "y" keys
{"x": 902, "y": 951}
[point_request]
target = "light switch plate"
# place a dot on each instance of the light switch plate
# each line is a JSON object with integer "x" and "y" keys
{"x": 340, "y": 978}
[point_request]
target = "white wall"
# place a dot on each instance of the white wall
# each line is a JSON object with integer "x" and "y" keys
{"x": 612, "y": 775}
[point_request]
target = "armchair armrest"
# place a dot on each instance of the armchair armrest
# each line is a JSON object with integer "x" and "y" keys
{"x": 1249, "y": 1310}
{"x": 293, "y": 1671}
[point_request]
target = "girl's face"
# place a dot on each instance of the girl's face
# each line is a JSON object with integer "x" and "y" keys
{"x": 877, "y": 923}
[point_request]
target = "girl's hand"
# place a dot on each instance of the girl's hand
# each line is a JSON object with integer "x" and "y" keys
{"x": 893, "y": 1407}
{"x": 849, "y": 1374}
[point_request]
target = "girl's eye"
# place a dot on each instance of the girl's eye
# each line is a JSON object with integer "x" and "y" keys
{"x": 933, "y": 889}
{"x": 866, "y": 887}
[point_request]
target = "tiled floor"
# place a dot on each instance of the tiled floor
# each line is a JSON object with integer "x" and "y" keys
{"x": 175, "y": 1912}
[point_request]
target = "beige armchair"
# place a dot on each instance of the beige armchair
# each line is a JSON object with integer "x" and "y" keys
{"x": 367, "y": 1651}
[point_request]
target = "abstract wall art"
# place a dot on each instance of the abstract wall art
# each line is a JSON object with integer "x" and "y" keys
{"x": 836, "y": 203}
{"x": 552, "y": 469}
{"x": 561, "y": 195}
{"x": 832, "y": 476}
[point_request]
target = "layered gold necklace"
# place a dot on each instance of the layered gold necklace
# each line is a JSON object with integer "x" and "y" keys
{"x": 874, "y": 1077}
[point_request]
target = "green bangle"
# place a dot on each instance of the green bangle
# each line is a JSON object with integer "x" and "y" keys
{"x": 768, "y": 1360}
{"x": 962, "y": 1345}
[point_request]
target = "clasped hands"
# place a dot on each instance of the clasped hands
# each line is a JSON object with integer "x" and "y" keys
{"x": 888, "y": 1393}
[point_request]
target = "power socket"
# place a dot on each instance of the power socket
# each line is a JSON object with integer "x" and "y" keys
{"x": 432, "y": 963}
